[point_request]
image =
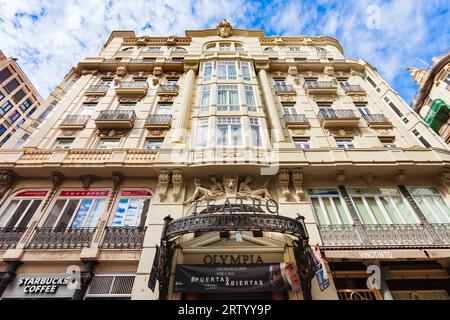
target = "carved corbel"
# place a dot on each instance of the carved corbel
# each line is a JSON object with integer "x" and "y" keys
{"x": 329, "y": 71}
{"x": 400, "y": 177}
{"x": 57, "y": 179}
{"x": 157, "y": 72}
{"x": 86, "y": 72}
{"x": 121, "y": 71}
{"x": 177, "y": 180}
{"x": 283, "y": 178}
{"x": 341, "y": 176}
{"x": 7, "y": 179}
{"x": 87, "y": 180}
{"x": 444, "y": 179}
{"x": 163, "y": 184}
{"x": 297, "y": 180}
{"x": 117, "y": 179}
{"x": 368, "y": 178}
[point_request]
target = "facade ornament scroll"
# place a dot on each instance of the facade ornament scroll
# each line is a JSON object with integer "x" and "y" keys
{"x": 297, "y": 180}
{"x": 283, "y": 178}
{"x": 163, "y": 184}
{"x": 86, "y": 72}
{"x": 177, "y": 181}
{"x": 224, "y": 29}
{"x": 215, "y": 190}
{"x": 7, "y": 180}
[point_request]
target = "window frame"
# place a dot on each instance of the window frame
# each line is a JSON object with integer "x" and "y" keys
{"x": 327, "y": 219}
{"x": 227, "y": 64}
{"x": 130, "y": 197}
{"x": 229, "y": 132}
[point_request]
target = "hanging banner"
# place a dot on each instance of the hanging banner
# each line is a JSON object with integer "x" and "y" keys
{"x": 154, "y": 273}
{"x": 236, "y": 278}
{"x": 320, "y": 268}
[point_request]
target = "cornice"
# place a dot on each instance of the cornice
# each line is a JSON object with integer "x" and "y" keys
{"x": 213, "y": 33}
{"x": 300, "y": 40}
{"x": 119, "y": 34}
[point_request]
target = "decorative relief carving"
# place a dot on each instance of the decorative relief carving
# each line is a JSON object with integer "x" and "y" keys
{"x": 69, "y": 132}
{"x": 56, "y": 178}
{"x": 88, "y": 179}
{"x": 86, "y": 72}
{"x": 329, "y": 71}
{"x": 230, "y": 185}
{"x": 112, "y": 133}
{"x": 297, "y": 180}
{"x": 359, "y": 97}
{"x": 92, "y": 99}
{"x": 293, "y": 71}
{"x": 171, "y": 41}
{"x": 283, "y": 178}
{"x": 341, "y": 176}
{"x": 214, "y": 191}
{"x": 7, "y": 179}
{"x": 117, "y": 179}
{"x": 384, "y": 132}
{"x": 163, "y": 184}
{"x": 177, "y": 180}
{"x": 299, "y": 132}
{"x": 247, "y": 190}
{"x": 129, "y": 99}
{"x": 400, "y": 176}
{"x": 121, "y": 71}
{"x": 343, "y": 132}
{"x": 157, "y": 133}
{"x": 224, "y": 29}
{"x": 368, "y": 177}
{"x": 287, "y": 98}
{"x": 323, "y": 98}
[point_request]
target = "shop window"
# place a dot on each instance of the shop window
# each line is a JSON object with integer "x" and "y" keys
{"x": 382, "y": 206}
{"x": 432, "y": 203}
{"x": 77, "y": 209}
{"x": 131, "y": 208}
{"x": 328, "y": 207}
{"x": 21, "y": 207}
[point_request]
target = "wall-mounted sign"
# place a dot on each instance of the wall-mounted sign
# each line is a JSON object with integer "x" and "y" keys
{"x": 39, "y": 286}
{"x": 236, "y": 278}
{"x": 84, "y": 193}
{"x": 135, "y": 193}
{"x": 236, "y": 205}
{"x": 32, "y": 193}
{"x": 232, "y": 259}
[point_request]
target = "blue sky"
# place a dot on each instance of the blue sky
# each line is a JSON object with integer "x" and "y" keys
{"x": 50, "y": 36}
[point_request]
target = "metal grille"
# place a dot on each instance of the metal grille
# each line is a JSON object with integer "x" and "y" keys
{"x": 9, "y": 237}
{"x": 111, "y": 285}
{"x": 123, "y": 285}
{"x": 49, "y": 238}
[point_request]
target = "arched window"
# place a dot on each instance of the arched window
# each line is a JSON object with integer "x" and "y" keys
{"x": 211, "y": 47}
{"x": 180, "y": 49}
{"x": 153, "y": 48}
{"x": 268, "y": 49}
{"x": 127, "y": 48}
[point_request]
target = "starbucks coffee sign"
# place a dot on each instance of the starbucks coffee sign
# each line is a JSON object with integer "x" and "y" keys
{"x": 40, "y": 286}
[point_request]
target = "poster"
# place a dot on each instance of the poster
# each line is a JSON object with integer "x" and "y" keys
{"x": 320, "y": 268}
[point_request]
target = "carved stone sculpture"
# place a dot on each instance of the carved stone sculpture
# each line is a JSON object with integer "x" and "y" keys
{"x": 214, "y": 191}
{"x": 246, "y": 189}
{"x": 283, "y": 177}
{"x": 297, "y": 180}
{"x": 177, "y": 180}
{"x": 163, "y": 182}
{"x": 224, "y": 29}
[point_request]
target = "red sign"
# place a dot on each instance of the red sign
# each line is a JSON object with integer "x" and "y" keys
{"x": 135, "y": 193}
{"x": 35, "y": 193}
{"x": 82, "y": 193}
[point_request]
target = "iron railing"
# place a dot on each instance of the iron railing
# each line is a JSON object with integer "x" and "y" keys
{"x": 443, "y": 230}
{"x": 319, "y": 85}
{"x": 75, "y": 120}
{"x": 159, "y": 119}
{"x": 330, "y": 114}
{"x": 173, "y": 60}
{"x": 117, "y": 115}
{"x": 375, "y": 118}
{"x": 295, "y": 118}
{"x": 352, "y": 88}
{"x": 150, "y": 60}
{"x": 339, "y": 235}
{"x": 9, "y": 237}
{"x": 284, "y": 88}
{"x": 100, "y": 88}
{"x": 71, "y": 238}
{"x": 133, "y": 84}
{"x": 112, "y": 60}
{"x": 123, "y": 238}
{"x": 168, "y": 88}
{"x": 359, "y": 294}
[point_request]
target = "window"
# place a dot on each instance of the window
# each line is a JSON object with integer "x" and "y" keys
{"x": 394, "y": 107}
{"x": 26, "y": 104}
{"x": 1, "y": 95}
{"x": 227, "y": 98}
{"x": 202, "y": 133}
{"x": 245, "y": 71}
{"x": 325, "y": 104}
{"x": 280, "y": 83}
{"x": 173, "y": 82}
{"x": 6, "y": 138}
{"x": 250, "y": 98}
{"x": 63, "y": 143}
{"x": 328, "y": 207}
{"x": 127, "y": 106}
{"x": 5, "y": 107}
{"x": 180, "y": 49}
{"x": 425, "y": 143}
{"x": 289, "y": 109}
{"x": 13, "y": 116}
{"x": 382, "y": 206}
{"x": 47, "y": 111}
{"x": 106, "y": 81}
{"x": 372, "y": 83}
{"x": 21, "y": 208}
{"x": 109, "y": 143}
{"x": 127, "y": 48}
{"x": 207, "y": 70}
{"x": 12, "y": 85}
{"x": 433, "y": 205}
{"x": 21, "y": 141}
{"x": 227, "y": 70}
{"x": 224, "y": 46}
{"x": 131, "y": 209}
{"x": 268, "y": 49}
{"x": 5, "y": 74}
{"x": 295, "y": 49}
{"x": 19, "y": 95}
{"x": 238, "y": 47}
{"x": 229, "y": 132}
{"x": 302, "y": 143}
{"x": 363, "y": 109}
{"x": 88, "y": 109}
{"x": 211, "y": 47}
{"x": 256, "y": 132}
{"x": 76, "y": 209}
{"x": 388, "y": 142}
{"x": 345, "y": 143}
{"x": 164, "y": 108}
{"x": 153, "y": 144}
{"x": 446, "y": 80}
{"x": 153, "y": 48}
{"x": 2, "y": 129}
{"x": 205, "y": 98}
{"x": 18, "y": 124}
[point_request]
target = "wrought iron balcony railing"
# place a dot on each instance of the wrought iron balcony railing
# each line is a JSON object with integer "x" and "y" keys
{"x": 132, "y": 84}
{"x": 158, "y": 120}
{"x": 353, "y": 88}
{"x": 331, "y": 114}
{"x": 50, "y": 238}
{"x": 111, "y": 60}
{"x": 382, "y": 235}
{"x": 174, "y": 60}
{"x": 168, "y": 89}
{"x": 319, "y": 85}
{"x": 287, "y": 88}
{"x": 117, "y": 115}
{"x": 150, "y": 60}
{"x": 9, "y": 237}
{"x": 97, "y": 88}
{"x": 296, "y": 120}
{"x": 377, "y": 120}
{"x": 123, "y": 238}
{"x": 75, "y": 121}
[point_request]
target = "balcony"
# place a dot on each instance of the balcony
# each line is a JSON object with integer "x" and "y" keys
{"x": 136, "y": 88}
{"x": 96, "y": 90}
{"x": 353, "y": 89}
{"x": 123, "y": 238}
{"x": 9, "y": 237}
{"x": 377, "y": 121}
{"x": 158, "y": 121}
{"x": 145, "y": 60}
{"x": 286, "y": 89}
{"x": 49, "y": 238}
{"x": 174, "y": 61}
{"x": 168, "y": 90}
{"x": 330, "y": 118}
{"x": 74, "y": 122}
{"x": 123, "y": 119}
{"x": 391, "y": 235}
{"x": 296, "y": 121}
{"x": 320, "y": 87}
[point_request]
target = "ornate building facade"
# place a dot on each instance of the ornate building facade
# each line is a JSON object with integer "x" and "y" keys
{"x": 226, "y": 164}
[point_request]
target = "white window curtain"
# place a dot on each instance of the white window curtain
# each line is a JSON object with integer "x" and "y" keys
{"x": 207, "y": 70}
{"x": 202, "y": 133}
{"x": 227, "y": 98}
{"x": 250, "y": 98}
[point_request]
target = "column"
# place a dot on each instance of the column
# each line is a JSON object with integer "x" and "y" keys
{"x": 270, "y": 103}
{"x": 186, "y": 98}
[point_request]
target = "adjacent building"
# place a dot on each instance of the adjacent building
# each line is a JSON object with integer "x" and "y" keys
{"x": 226, "y": 163}
{"x": 432, "y": 101}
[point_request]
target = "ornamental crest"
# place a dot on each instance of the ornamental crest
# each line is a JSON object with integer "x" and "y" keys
{"x": 224, "y": 29}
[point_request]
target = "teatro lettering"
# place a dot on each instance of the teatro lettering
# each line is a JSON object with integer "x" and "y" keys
{"x": 237, "y": 205}
{"x": 42, "y": 285}
{"x": 232, "y": 259}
